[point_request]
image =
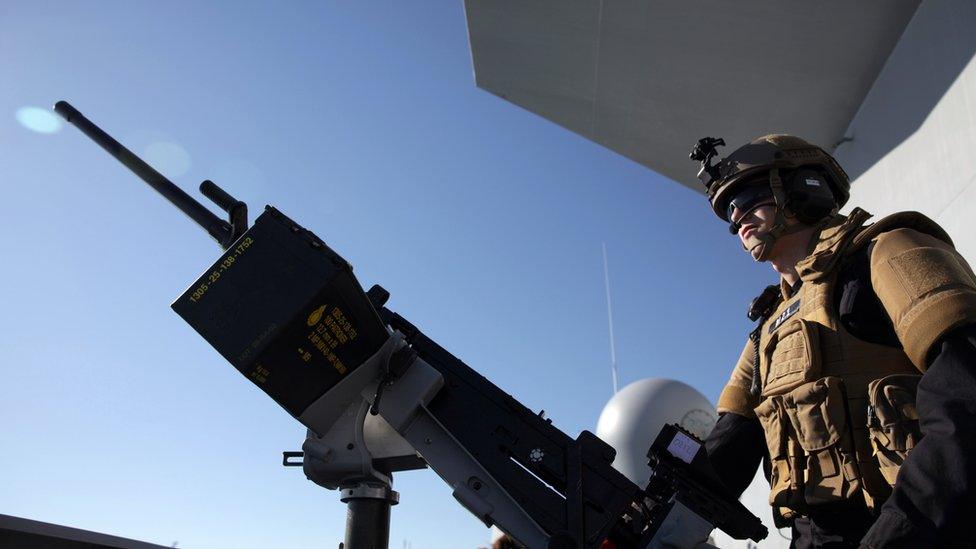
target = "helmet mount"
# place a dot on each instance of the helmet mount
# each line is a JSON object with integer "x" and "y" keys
{"x": 705, "y": 150}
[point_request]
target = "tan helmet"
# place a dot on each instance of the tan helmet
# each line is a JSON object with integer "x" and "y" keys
{"x": 755, "y": 160}
{"x": 801, "y": 178}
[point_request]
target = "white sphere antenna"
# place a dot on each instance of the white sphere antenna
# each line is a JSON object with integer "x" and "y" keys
{"x": 634, "y": 416}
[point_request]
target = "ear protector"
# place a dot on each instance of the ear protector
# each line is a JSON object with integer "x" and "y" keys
{"x": 808, "y": 195}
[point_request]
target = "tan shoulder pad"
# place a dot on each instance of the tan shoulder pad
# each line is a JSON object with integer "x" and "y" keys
{"x": 735, "y": 396}
{"x": 926, "y": 287}
{"x": 900, "y": 220}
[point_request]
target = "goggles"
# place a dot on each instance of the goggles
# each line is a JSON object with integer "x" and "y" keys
{"x": 747, "y": 200}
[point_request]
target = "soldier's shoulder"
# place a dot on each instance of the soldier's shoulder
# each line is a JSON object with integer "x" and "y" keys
{"x": 901, "y": 229}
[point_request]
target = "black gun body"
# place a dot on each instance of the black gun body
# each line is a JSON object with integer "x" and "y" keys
{"x": 525, "y": 452}
{"x": 685, "y": 474}
{"x": 287, "y": 312}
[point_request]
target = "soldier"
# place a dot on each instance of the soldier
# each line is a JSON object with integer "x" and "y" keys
{"x": 860, "y": 377}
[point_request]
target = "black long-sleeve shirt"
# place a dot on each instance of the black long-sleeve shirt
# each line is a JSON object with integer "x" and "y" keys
{"x": 933, "y": 503}
{"x": 934, "y": 499}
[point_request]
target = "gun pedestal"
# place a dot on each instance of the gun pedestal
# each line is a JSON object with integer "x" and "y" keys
{"x": 358, "y": 454}
{"x": 368, "y": 518}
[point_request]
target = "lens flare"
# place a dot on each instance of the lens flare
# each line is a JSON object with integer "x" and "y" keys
{"x": 169, "y": 158}
{"x": 38, "y": 120}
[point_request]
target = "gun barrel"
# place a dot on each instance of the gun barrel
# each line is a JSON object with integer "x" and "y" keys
{"x": 217, "y": 227}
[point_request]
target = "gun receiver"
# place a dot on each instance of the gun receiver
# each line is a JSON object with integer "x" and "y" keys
{"x": 682, "y": 473}
{"x": 225, "y": 233}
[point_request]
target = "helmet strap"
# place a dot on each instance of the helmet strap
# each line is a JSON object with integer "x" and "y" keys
{"x": 780, "y": 227}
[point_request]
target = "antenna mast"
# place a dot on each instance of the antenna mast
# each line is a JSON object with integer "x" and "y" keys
{"x": 613, "y": 350}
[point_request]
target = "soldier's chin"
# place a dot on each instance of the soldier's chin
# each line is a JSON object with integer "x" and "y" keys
{"x": 757, "y": 253}
{"x": 756, "y": 248}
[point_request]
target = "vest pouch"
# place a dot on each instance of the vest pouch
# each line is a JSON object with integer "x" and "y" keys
{"x": 791, "y": 356}
{"x": 818, "y": 414}
{"x": 785, "y": 482}
{"x": 893, "y": 421}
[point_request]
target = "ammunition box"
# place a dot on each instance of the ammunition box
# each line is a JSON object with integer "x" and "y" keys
{"x": 285, "y": 310}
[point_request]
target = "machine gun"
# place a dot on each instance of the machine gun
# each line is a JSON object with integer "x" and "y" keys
{"x": 378, "y": 396}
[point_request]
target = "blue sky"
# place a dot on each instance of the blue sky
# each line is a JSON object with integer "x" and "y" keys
{"x": 362, "y": 121}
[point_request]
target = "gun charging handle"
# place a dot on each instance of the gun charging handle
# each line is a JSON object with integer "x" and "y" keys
{"x": 236, "y": 209}
{"x": 222, "y": 231}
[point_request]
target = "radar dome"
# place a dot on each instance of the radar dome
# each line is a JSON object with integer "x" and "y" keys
{"x": 636, "y": 414}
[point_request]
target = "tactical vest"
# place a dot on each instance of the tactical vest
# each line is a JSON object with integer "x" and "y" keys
{"x": 816, "y": 378}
